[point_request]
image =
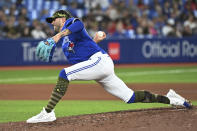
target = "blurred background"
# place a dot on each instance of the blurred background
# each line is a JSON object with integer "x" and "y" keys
{"x": 118, "y": 18}
{"x": 133, "y": 20}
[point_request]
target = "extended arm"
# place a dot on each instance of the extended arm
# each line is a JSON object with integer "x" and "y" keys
{"x": 97, "y": 38}
{"x": 61, "y": 34}
{"x": 76, "y": 26}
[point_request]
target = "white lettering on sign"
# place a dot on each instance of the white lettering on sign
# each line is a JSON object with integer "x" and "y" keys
{"x": 28, "y": 52}
{"x": 156, "y": 50}
{"x": 189, "y": 49}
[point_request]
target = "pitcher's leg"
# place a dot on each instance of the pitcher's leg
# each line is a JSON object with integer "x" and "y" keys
{"x": 47, "y": 114}
{"x": 148, "y": 97}
{"x": 117, "y": 87}
{"x": 58, "y": 91}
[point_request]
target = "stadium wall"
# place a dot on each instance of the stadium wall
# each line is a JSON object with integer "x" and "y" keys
{"x": 126, "y": 51}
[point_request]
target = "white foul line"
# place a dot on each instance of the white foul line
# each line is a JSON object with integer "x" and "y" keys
{"x": 176, "y": 71}
{"x": 140, "y": 73}
{"x": 28, "y": 79}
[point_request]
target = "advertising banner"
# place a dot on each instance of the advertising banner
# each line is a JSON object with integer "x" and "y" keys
{"x": 22, "y": 51}
{"x": 155, "y": 50}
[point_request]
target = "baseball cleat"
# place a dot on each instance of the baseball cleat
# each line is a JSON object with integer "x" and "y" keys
{"x": 43, "y": 116}
{"x": 177, "y": 100}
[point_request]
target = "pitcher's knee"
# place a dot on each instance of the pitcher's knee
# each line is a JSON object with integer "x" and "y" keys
{"x": 63, "y": 75}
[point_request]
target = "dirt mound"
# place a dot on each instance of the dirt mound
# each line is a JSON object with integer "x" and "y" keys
{"x": 162, "y": 119}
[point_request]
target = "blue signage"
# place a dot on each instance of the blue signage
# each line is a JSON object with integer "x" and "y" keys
{"x": 165, "y": 50}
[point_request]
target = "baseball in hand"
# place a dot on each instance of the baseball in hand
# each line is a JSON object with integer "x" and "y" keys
{"x": 99, "y": 36}
{"x": 100, "y": 33}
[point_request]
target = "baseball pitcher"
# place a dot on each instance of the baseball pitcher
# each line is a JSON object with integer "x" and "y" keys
{"x": 89, "y": 62}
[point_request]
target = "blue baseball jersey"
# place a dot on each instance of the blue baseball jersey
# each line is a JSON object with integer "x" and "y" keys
{"x": 78, "y": 46}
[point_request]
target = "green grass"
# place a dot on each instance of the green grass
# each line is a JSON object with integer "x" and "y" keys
{"x": 128, "y": 75}
{"x": 12, "y": 111}
{"x": 159, "y": 75}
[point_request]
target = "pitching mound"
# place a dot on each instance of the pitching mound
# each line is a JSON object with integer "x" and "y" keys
{"x": 158, "y": 119}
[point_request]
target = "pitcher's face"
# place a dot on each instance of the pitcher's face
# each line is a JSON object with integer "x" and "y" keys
{"x": 58, "y": 24}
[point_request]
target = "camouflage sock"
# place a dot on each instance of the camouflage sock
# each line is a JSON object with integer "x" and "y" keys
{"x": 57, "y": 94}
{"x": 147, "y": 97}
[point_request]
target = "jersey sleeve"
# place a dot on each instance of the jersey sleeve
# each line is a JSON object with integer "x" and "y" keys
{"x": 76, "y": 26}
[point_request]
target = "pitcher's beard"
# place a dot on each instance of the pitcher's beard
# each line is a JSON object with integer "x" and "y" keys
{"x": 57, "y": 29}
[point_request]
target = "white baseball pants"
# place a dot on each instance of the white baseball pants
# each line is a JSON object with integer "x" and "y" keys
{"x": 100, "y": 68}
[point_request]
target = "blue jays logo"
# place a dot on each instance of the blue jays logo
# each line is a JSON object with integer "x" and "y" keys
{"x": 70, "y": 47}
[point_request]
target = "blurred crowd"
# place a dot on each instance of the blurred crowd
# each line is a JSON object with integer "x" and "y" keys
{"x": 118, "y": 18}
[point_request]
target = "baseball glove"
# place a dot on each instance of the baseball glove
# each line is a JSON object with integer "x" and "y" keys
{"x": 45, "y": 50}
